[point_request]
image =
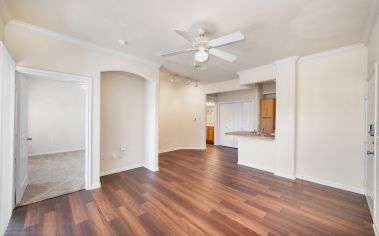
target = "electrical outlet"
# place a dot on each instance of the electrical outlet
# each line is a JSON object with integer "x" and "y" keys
{"x": 123, "y": 148}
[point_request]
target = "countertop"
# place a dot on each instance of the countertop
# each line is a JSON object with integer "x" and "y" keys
{"x": 252, "y": 135}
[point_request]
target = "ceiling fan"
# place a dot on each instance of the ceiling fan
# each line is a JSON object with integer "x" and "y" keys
{"x": 205, "y": 46}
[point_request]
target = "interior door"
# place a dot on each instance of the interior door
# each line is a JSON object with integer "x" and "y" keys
{"x": 371, "y": 134}
{"x": 7, "y": 112}
{"x": 237, "y": 121}
{"x": 230, "y": 120}
{"x": 21, "y": 135}
{"x": 375, "y": 214}
{"x": 247, "y": 116}
{"x": 226, "y": 121}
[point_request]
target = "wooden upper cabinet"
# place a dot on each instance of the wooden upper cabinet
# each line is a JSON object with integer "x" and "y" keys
{"x": 267, "y": 114}
{"x": 267, "y": 108}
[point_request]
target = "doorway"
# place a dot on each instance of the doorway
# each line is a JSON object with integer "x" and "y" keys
{"x": 52, "y": 125}
{"x": 210, "y": 125}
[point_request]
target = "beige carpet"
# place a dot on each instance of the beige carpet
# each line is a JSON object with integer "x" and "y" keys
{"x": 54, "y": 175}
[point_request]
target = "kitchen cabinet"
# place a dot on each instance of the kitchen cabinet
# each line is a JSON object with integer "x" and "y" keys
{"x": 267, "y": 114}
{"x": 210, "y": 134}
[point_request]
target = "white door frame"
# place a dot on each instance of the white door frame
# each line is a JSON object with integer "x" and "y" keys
{"x": 72, "y": 78}
{"x": 374, "y": 74}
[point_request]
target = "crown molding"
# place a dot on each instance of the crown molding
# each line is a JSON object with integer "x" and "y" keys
{"x": 52, "y": 74}
{"x": 80, "y": 42}
{"x": 333, "y": 51}
{"x": 371, "y": 20}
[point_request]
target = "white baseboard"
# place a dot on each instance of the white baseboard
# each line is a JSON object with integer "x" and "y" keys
{"x": 168, "y": 150}
{"x": 94, "y": 186}
{"x": 193, "y": 148}
{"x": 284, "y": 175}
{"x": 375, "y": 227}
{"x": 310, "y": 179}
{"x": 181, "y": 148}
{"x": 124, "y": 168}
{"x": 255, "y": 166}
{"x": 22, "y": 191}
{"x": 332, "y": 184}
{"x": 56, "y": 152}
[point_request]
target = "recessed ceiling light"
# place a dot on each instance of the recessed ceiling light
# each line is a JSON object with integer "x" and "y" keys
{"x": 122, "y": 42}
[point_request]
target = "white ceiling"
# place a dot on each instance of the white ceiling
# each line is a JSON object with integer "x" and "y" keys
{"x": 274, "y": 29}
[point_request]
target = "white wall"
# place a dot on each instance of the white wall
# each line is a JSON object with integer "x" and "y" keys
{"x": 56, "y": 116}
{"x": 257, "y": 74}
{"x": 122, "y": 121}
{"x": 180, "y": 105}
{"x": 330, "y": 116}
{"x": 285, "y": 117}
{"x": 224, "y": 86}
{"x": 151, "y": 125}
{"x": 373, "y": 47}
{"x": 2, "y": 26}
{"x": 238, "y": 96}
{"x": 38, "y": 48}
{"x": 269, "y": 88}
{"x": 263, "y": 150}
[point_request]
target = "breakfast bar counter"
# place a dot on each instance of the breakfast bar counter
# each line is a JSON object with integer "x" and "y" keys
{"x": 256, "y": 150}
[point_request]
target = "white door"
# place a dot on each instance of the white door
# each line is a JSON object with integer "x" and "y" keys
{"x": 7, "y": 112}
{"x": 371, "y": 134}
{"x": 21, "y": 135}
{"x": 247, "y": 116}
{"x": 237, "y": 121}
{"x": 230, "y": 120}
{"x": 225, "y": 124}
{"x": 376, "y": 163}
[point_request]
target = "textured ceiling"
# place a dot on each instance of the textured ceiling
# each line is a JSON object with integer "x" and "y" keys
{"x": 274, "y": 29}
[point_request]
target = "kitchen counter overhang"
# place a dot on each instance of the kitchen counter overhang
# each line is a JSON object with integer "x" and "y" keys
{"x": 252, "y": 134}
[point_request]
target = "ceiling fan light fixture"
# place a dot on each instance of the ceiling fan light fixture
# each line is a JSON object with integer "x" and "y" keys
{"x": 201, "y": 56}
{"x": 205, "y": 47}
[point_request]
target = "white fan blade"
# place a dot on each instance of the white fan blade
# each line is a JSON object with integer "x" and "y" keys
{"x": 186, "y": 35}
{"x": 178, "y": 52}
{"x": 229, "y": 38}
{"x": 223, "y": 55}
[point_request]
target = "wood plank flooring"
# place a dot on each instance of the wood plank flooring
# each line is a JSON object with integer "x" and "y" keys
{"x": 197, "y": 193}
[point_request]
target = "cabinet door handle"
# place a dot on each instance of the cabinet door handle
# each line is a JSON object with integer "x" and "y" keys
{"x": 370, "y": 153}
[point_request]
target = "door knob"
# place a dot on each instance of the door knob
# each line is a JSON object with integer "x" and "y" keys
{"x": 370, "y": 153}
{"x": 29, "y": 139}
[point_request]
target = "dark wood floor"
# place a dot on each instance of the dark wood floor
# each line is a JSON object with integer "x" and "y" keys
{"x": 198, "y": 193}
